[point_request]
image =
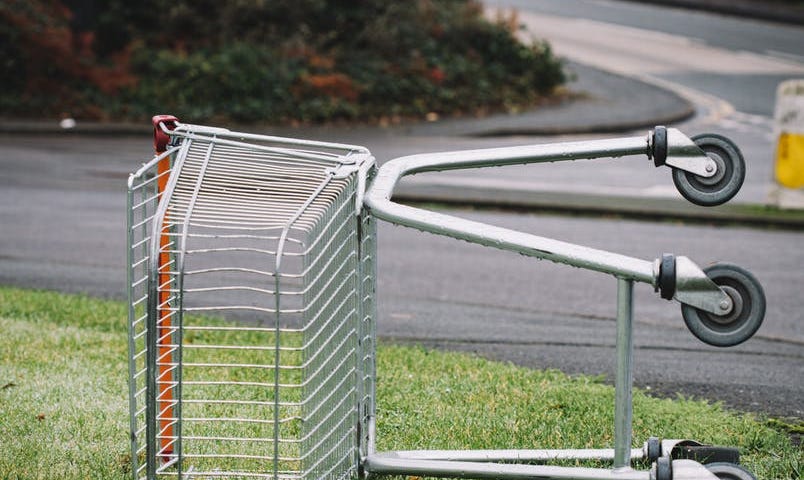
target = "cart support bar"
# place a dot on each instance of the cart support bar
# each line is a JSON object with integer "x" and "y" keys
{"x": 378, "y": 199}
{"x": 623, "y": 410}
{"x": 508, "y": 456}
{"x": 387, "y": 464}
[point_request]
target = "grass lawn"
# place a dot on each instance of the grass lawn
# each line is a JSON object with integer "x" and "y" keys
{"x": 64, "y": 400}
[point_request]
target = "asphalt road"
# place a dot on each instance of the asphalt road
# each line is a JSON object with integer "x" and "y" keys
{"x": 739, "y": 61}
{"x": 447, "y": 293}
{"x": 728, "y": 67}
{"x": 729, "y": 32}
{"x": 62, "y": 212}
{"x": 62, "y": 207}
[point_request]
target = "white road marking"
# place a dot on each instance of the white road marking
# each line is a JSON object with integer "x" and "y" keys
{"x": 786, "y": 56}
{"x": 644, "y": 54}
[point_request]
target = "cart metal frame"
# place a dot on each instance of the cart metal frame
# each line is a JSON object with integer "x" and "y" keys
{"x": 707, "y": 170}
{"x": 691, "y": 287}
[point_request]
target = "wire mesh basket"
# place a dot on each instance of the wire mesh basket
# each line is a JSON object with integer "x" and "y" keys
{"x": 267, "y": 233}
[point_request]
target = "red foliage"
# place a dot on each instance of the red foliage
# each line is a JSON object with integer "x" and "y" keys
{"x": 336, "y": 85}
{"x": 436, "y": 75}
{"x": 321, "y": 62}
{"x": 110, "y": 79}
{"x": 57, "y": 57}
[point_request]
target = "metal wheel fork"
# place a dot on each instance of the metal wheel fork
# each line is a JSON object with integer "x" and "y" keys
{"x": 681, "y": 279}
{"x": 708, "y": 169}
{"x": 668, "y": 146}
{"x": 722, "y": 305}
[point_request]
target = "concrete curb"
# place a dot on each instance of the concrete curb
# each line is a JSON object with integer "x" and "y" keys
{"x": 615, "y": 104}
{"x": 606, "y": 103}
{"x": 573, "y": 203}
{"x": 610, "y": 103}
{"x": 51, "y": 127}
{"x": 520, "y": 200}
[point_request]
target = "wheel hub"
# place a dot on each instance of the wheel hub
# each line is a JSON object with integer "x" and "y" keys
{"x": 736, "y": 310}
{"x": 720, "y": 170}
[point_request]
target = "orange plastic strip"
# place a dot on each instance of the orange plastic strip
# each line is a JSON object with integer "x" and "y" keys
{"x": 166, "y": 377}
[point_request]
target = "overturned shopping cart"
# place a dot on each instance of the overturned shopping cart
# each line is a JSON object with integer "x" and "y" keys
{"x": 252, "y": 305}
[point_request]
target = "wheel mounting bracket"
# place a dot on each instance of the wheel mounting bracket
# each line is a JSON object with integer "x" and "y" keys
{"x": 683, "y": 154}
{"x": 694, "y": 288}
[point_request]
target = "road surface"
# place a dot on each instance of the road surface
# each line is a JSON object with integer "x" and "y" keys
{"x": 62, "y": 207}
{"x": 62, "y": 211}
{"x": 728, "y": 67}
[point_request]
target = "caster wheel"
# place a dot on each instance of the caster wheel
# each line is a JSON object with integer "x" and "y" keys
{"x": 654, "y": 449}
{"x": 664, "y": 468}
{"x": 726, "y": 182}
{"x": 747, "y": 313}
{"x": 730, "y": 471}
{"x": 707, "y": 454}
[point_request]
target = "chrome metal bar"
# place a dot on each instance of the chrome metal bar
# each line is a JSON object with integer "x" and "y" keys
{"x": 132, "y": 353}
{"x": 279, "y": 151}
{"x": 518, "y": 456}
{"x": 386, "y": 464}
{"x": 277, "y": 299}
{"x": 623, "y": 408}
{"x": 368, "y": 284}
{"x": 153, "y": 308}
{"x": 148, "y": 166}
{"x": 378, "y": 199}
{"x": 277, "y": 383}
{"x": 183, "y": 127}
{"x": 179, "y": 332}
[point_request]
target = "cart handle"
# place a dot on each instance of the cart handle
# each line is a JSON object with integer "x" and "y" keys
{"x": 162, "y": 125}
{"x": 378, "y": 201}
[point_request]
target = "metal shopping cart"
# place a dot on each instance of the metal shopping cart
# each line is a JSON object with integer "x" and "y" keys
{"x": 252, "y": 305}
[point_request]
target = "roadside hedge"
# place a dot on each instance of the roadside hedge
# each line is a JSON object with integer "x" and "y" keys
{"x": 274, "y": 61}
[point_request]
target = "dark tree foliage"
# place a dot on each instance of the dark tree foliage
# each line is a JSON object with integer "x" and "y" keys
{"x": 265, "y": 60}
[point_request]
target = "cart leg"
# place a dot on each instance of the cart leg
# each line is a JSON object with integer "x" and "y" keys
{"x": 623, "y": 408}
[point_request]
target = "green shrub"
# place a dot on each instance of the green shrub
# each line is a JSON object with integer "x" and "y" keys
{"x": 268, "y": 61}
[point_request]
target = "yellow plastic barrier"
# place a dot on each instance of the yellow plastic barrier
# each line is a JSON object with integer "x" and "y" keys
{"x": 789, "y": 116}
{"x": 790, "y": 160}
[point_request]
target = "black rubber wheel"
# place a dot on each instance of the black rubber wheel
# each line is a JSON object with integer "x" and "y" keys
{"x": 664, "y": 468}
{"x": 746, "y": 315}
{"x": 659, "y": 145}
{"x": 654, "y": 449}
{"x": 667, "y": 276}
{"x": 726, "y": 182}
{"x": 730, "y": 471}
{"x": 707, "y": 454}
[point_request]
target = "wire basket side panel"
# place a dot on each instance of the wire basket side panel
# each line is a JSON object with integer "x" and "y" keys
{"x": 367, "y": 333}
{"x": 233, "y": 211}
{"x": 254, "y": 368}
{"x": 330, "y": 340}
{"x": 143, "y": 200}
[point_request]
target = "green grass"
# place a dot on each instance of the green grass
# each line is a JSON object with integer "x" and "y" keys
{"x": 64, "y": 409}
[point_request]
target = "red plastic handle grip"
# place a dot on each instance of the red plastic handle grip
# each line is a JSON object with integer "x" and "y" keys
{"x": 161, "y": 139}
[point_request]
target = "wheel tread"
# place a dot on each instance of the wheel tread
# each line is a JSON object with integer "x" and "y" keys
{"x": 723, "y": 191}
{"x": 745, "y": 325}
